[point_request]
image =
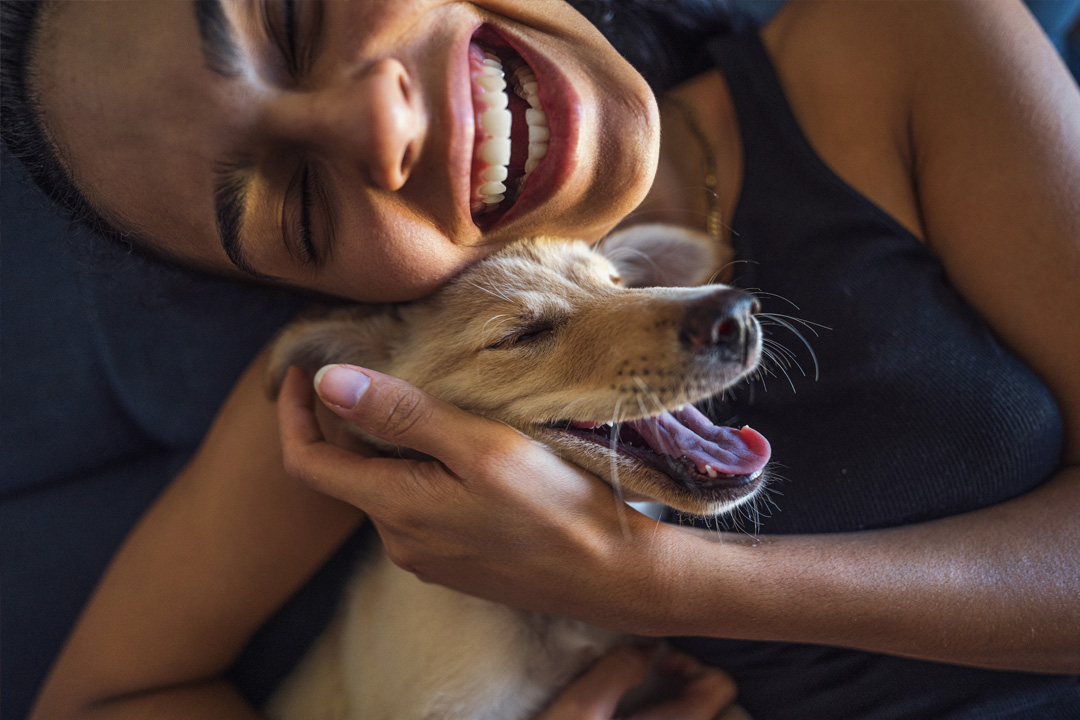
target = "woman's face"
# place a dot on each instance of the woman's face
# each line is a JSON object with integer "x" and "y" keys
{"x": 341, "y": 146}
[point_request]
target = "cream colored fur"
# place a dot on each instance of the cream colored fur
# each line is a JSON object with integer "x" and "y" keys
{"x": 543, "y": 333}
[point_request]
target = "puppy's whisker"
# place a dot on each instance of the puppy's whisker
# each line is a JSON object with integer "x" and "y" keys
{"x": 493, "y": 319}
{"x": 720, "y": 270}
{"x": 620, "y": 503}
{"x": 808, "y": 324}
{"x": 780, "y": 349}
{"x": 780, "y": 365}
{"x": 491, "y": 292}
{"x": 613, "y": 437}
{"x": 758, "y": 292}
{"x": 648, "y": 391}
{"x": 641, "y": 405}
{"x": 780, "y": 320}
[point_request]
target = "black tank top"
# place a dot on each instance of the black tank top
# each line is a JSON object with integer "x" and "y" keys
{"x": 917, "y": 411}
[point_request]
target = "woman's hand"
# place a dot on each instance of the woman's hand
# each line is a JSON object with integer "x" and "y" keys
{"x": 502, "y": 518}
{"x": 697, "y": 692}
{"x": 474, "y": 520}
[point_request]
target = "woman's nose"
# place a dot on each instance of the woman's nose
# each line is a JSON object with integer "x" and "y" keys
{"x": 373, "y": 119}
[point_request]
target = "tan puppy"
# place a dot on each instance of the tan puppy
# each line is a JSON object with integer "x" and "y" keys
{"x": 597, "y": 355}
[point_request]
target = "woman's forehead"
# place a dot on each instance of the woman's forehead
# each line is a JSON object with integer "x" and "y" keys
{"x": 135, "y": 112}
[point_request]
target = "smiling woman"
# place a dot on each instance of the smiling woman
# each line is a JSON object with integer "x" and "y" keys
{"x": 898, "y": 170}
{"x": 290, "y": 144}
{"x": 207, "y": 133}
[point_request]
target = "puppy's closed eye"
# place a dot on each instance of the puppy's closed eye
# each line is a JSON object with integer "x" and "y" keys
{"x": 523, "y": 336}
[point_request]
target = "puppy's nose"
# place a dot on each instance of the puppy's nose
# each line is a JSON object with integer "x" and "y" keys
{"x": 722, "y": 320}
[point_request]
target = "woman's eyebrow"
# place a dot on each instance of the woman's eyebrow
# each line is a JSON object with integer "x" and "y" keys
{"x": 231, "y": 183}
{"x": 232, "y": 178}
{"x": 221, "y": 52}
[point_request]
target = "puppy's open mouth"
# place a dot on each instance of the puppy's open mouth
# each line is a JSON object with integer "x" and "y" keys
{"x": 684, "y": 445}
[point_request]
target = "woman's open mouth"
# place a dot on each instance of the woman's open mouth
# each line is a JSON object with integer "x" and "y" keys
{"x": 512, "y": 133}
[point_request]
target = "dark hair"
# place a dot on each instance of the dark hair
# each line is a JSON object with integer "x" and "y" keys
{"x": 21, "y": 127}
{"x": 663, "y": 39}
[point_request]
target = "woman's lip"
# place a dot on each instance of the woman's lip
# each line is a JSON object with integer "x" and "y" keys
{"x": 562, "y": 106}
{"x": 462, "y": 121}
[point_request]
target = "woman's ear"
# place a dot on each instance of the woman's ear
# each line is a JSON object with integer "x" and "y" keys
{"x": 363, "y": 336}
{"x": 659, "y": 255}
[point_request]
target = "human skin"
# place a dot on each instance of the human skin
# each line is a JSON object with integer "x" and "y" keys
{"x": 379, "y": 111}
{"x": 990, "y": 198}
{"x": 994, "y": 588}
{"x": 382, "y": 114}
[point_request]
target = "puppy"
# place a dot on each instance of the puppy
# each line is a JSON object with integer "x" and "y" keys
{"x": 597, "y": 353}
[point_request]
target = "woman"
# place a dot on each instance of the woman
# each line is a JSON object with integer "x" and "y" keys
{"x": 296, "y": 149}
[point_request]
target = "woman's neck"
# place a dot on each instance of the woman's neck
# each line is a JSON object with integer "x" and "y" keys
{"x": 697, "y": 121}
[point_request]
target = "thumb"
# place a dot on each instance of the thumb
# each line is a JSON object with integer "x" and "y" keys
{"x": 401, "y": 413}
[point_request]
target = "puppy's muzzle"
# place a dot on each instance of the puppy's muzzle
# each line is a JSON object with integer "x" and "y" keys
{"x": 722, "y": 322}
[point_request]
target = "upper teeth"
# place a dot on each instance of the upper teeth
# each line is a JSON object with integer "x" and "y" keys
{"x": 496, "y": 120}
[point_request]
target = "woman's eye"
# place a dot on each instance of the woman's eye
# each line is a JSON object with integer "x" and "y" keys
{"x": 300, "y": 212}
{"x": 280, "y": 19}
{"x": 307, "y": 243}
{"x": 292, "y": 32}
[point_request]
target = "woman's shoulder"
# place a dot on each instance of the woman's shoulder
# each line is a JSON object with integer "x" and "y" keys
{"x": 847, "y": 46}
{"x": 848, "y": 72}
{"x": 966, "y": 104}
{"x": 857, "y": 73}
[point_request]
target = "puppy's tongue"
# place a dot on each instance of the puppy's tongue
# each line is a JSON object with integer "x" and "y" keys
{"x": 713, "y": 449}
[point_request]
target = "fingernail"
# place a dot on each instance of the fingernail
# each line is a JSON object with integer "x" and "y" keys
{"x": 341, "y": 385}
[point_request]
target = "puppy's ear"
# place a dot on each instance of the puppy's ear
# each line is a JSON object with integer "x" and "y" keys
{"x": 357, "y": 336}
{"x": 659, "y": 255}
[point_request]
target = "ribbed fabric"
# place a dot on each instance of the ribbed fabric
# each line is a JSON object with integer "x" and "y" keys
{"x": 918, "y": 412}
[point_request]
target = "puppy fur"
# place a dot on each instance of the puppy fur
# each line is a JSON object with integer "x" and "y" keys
{"x": 551, "y": 337}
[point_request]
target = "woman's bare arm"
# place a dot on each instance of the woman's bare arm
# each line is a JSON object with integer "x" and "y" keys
{"x": 992, "y": 125}
{"x": 989, "y": 149}
{"x": 225, "y": 545}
